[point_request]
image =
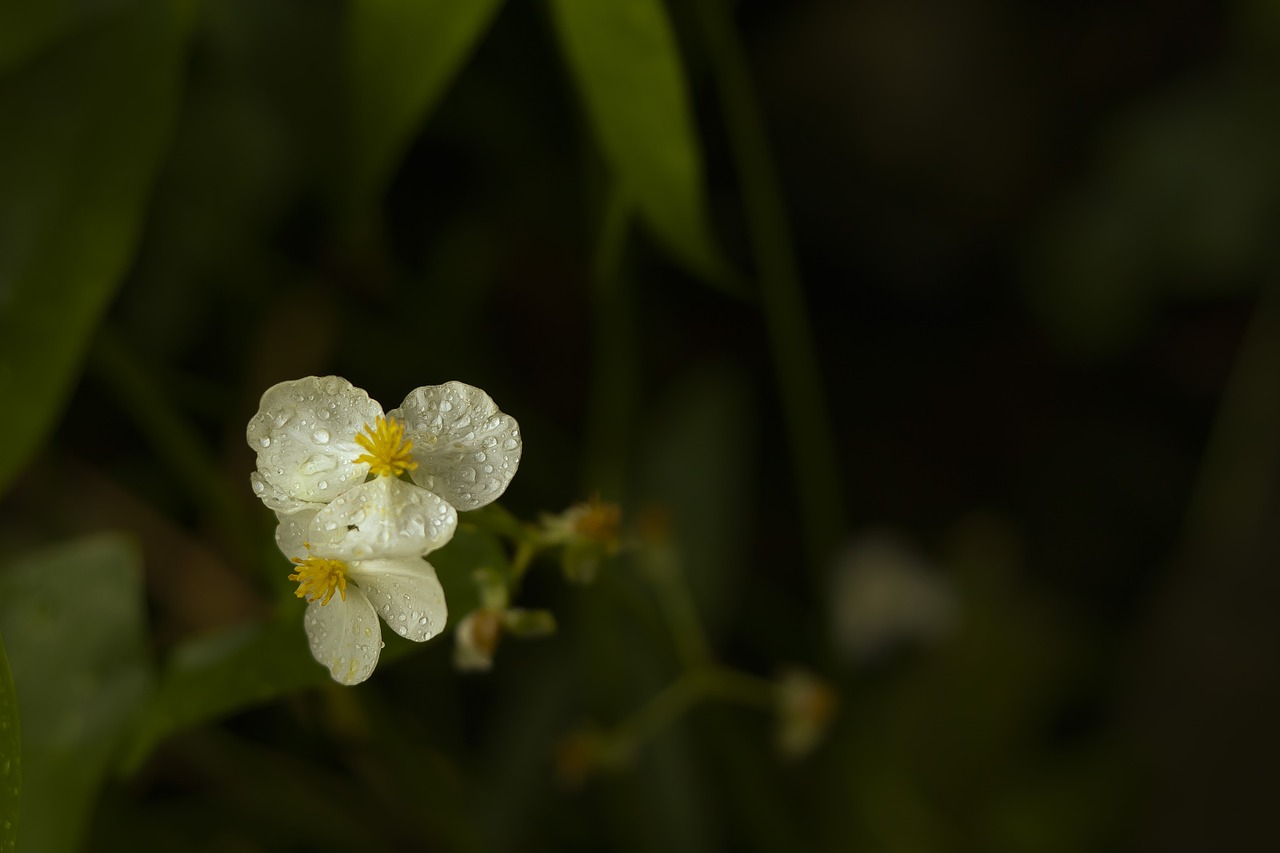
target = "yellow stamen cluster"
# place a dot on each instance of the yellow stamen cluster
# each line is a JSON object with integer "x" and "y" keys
{"x": 318, "y": 578}
{"x": 388, "y": 452}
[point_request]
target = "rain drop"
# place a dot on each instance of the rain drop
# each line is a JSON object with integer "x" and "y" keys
{"x": 265, "y": 441}
{"x": 320, "y": 436}
{"x": 323, "y": 484}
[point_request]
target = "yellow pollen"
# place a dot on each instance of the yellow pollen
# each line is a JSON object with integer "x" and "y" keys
{"x": 318, "y": 578}
{"x": 388, "y": 450}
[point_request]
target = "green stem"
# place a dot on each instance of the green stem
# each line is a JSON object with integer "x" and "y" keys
{"x": 614, "y": 377}
{"x": 812, "y": 444}
{"x": 676, "y": 600}
{"x": 691, "y": 688}
{"x": 525, "y": 552}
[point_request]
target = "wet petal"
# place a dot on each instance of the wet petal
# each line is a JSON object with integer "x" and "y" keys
{"x": 466, "y": 449}
{"x": 304, "y": 434}
{"x": 292, "y": 533}
{"x": 276, "y": 499}
{"x": 384, "y": 517}
{"x": 344, "y": 636}
{"x": 406, "y": 594}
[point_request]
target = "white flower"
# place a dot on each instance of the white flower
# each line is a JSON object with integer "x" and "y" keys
{"x": 319, "y": 436}
{"x": 374, "y": 536}
{"x": 883, "y": 595}
{"x": 305, "y": 435}
{"x": 318, "y": 440}
{"x": 465, "y": 449}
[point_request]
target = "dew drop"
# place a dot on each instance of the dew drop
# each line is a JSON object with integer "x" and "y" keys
{"x": 320, "y": 436}
{"x": 402, "y": 630}
{"x": 423, "y": 621}
{"x": 265, "y": 441}
{"x": 445, "y": 406}
{"x": 509, "y": 444}
{"x": 323, "y": 484}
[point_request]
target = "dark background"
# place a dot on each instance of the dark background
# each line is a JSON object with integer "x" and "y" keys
{"x": 1036, "y": 247}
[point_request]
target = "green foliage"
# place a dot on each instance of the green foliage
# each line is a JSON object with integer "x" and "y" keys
{"x": 73, "y": 622}
{"x": 626, "y": 65}
{"x": 211, "y": 677}
{"x": 74, "y": 183}
{"x": 401, "y": 58}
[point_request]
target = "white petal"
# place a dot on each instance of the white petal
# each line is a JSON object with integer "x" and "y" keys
{"x": 344, "y": 636}
{"x": 466, "y": 449}
{"x": 406, "y": 593}
{"x": 304, "y": 433}
{"x": 384, "y": 517}
{"x": 292, "y": 533}
{"x": 276, "y": 499}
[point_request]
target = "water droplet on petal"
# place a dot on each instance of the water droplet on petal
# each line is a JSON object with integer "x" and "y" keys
{"x": 265, "y": 441}
{"x": 320, "y": 436}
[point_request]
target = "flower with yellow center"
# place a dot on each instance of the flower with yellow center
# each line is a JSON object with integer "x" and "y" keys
{"x": 318, "y": 436}
{"x": 352, "y": 575}
{"x": 331, "y": 464}
{"x": 318, "y": 579}
{"x": 387, "y": 450}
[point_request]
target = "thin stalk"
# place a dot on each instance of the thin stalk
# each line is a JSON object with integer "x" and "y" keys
{"x": 691, "y": 688}
{"x": 808, "y": 425}
{"x": 614, "y": 376}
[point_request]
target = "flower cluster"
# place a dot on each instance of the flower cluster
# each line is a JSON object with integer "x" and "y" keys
{"x": 333, "y": 466}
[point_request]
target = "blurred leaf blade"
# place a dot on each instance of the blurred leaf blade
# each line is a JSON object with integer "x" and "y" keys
{"x": 211, "y": 677}
{"x": 10, "y": 757}
{"x": 401, "y": 59}
{"x": 625, "y": 62}
{"x": 73, "y": 619}
{"x": 74, "y": 186}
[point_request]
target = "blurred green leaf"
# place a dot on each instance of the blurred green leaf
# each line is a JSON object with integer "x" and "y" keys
{"x": 10, "y": 757}
{"x": 85, "y": 130}
{"x": 73, "y": 620}
{"x": 401, "y": 58}
{"x": 624, "y": 59}
{"x": 211, "y": 677}
{"x": 30, "y": 26}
